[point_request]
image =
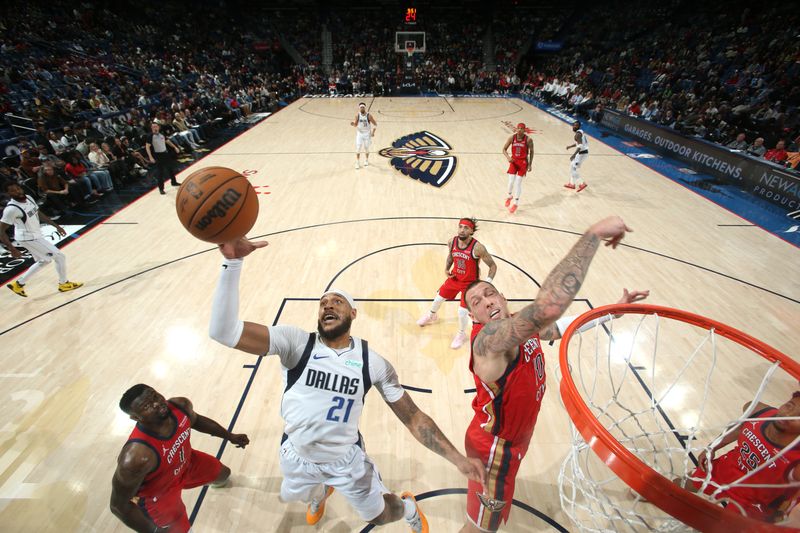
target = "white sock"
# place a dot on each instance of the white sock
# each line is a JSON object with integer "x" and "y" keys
{"x": 410, "y": 509}
{"x": 61, "y": 267}
{"x": 575, "y": 178}
{"x": 437, "y": 303}
{"x": 463, "y": 319}
{"x": 511, "y": 182}
{"x": 36, "y": 267}
{"x": 518, "y": 188}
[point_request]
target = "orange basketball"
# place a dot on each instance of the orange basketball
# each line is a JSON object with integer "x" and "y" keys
{"x": 217, "y": 204}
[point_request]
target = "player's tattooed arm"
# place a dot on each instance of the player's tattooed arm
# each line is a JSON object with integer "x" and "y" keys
{"x": 556, "y": 294}
{"x": 448, "y": 265}
{"x": 428, "y": 433}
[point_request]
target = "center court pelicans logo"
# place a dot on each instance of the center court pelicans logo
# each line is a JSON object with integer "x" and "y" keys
{"x": 422, "y": 156}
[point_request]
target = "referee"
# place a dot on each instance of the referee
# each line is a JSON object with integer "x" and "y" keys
{"x": 156, "y": 146}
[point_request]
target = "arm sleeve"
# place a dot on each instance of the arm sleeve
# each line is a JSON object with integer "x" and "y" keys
{"x": 287, "y": 342}
{"x": 225, "y": 326}
{"x": 563, "y": 323}
{"x": 384, "y": 377}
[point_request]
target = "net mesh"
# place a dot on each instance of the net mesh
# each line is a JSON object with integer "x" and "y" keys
{"x": 668, "y": 392}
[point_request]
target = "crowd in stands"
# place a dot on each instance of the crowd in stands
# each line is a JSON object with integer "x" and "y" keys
{"x": 91, "y": 79}
{"x": 729, "y": 76}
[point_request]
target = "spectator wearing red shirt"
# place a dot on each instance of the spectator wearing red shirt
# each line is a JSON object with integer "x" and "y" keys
{"x": 777, "y": 154}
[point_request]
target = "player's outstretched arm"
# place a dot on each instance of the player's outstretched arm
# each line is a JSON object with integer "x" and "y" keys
{"x": 554, "y": 331}
{"x": 133, "y": 465}
{"x": 428, "y": 433}
{"x": 225, "y": 326}
{"x": 557, "y": 292}
{"x": 206, "y": 425}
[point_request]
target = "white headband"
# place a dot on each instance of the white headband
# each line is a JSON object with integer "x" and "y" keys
{"x": 343, "y": 294}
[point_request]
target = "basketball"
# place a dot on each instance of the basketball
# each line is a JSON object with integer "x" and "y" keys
{"x": 217, "y": 204}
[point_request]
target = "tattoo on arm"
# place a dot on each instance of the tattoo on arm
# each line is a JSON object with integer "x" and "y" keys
{"x": 556, "y": 294}
{"x": 423, "y": 428}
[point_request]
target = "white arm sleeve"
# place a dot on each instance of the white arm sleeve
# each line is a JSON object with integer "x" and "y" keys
{"x": 563, "y": 323}
{"x": 225, "y": 326}
{"x": 384, "y": 377}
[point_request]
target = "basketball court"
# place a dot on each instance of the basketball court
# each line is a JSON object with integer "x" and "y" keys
{"x": 380, "y": 234}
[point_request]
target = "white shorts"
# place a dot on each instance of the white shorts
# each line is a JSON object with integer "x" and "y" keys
{"x": 363, "y": 139}
{"x": 579, "y": 158}
{"x": 354, "y": 476}
{"x": 42, "y": 250}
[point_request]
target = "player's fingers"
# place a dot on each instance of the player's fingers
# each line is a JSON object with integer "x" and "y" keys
{"x": 259, "y": 244}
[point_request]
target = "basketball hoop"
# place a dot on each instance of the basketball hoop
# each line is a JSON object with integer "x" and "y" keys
{"x": 411, "y": 47}
{"x": 639, "y": 442}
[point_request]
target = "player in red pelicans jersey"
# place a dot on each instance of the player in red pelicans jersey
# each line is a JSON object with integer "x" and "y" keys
{"x": 519, "y": 161}
{"x": 758, "y": 442}
{"x": 509, "y": 371}
{"x": 158, "y": 461}
{"x": 462, "y": 268}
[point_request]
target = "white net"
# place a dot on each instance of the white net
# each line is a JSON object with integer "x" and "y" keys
{"x": 667, "y": 391}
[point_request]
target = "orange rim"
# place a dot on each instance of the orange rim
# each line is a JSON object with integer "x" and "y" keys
{"x": 687, "y": 507}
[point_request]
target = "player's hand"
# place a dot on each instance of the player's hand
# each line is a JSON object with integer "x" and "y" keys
{"x": 572, "y": 157}
{"x": 240, "y": 248}
{"x": 449, "y": 274}
{"x": 631, "y": 297}
{"x": 702, "y": 460}
{"x": 611, "y": 229}
{"x": 508, "y": 158}
{"x": 352, "y": 123}
{"x": 61, "y": 231}
{"x": 240, "y": 440}
{"x": 473, "y": 469}
{"x": 15, "y": 253}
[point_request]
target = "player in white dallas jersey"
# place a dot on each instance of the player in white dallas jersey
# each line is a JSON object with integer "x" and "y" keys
{"x": 365, "y": 130}
{"x": 22, "y": 212}
{"x": 580, "y": 155}
{"x": 326, "y": 376}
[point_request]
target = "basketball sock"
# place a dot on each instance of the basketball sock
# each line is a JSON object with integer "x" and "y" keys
{"x": 517, "y": 188}
{"x": 225, "y": 326}
{"x": 511, "y": 183}
{"x": 437, "y": 303}
{"x": 575, "y": 179}
{"x": 61, "y": 267}
{"x": 463, "y": 319}
{"x": 36, "y": 267}
{"x": 410, "y": 511}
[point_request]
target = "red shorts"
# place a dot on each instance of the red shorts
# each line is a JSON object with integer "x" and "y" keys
{"x": 753, "y": 509}
{"x": 488, "y": 511}
{"x": 451, "y": 287}
{"x": 167, "y": 509}
{"x": 518, "y": 167}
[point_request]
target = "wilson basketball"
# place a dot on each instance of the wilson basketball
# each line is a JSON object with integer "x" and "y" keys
{"x": 217, "y": 204}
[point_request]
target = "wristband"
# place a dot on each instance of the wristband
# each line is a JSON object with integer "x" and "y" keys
{"x": 488, "y": 280}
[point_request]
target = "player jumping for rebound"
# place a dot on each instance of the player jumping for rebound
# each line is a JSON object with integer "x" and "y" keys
{"x": 520, "y": 161}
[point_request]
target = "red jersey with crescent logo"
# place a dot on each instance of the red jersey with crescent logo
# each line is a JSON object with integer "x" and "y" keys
{"x": 753, "y": 449}
{"x": 465, "y": 265}
{"x": 174, "y": 454}
{"x": 519, "y": 148}
{"x": 509, "y": 407}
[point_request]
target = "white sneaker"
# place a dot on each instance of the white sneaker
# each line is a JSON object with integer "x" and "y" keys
{"x": 427, "y": 318}
{"x": 459, "y": 340}
{"x": 366, "y": 163}
{"x": 357, "y": 165}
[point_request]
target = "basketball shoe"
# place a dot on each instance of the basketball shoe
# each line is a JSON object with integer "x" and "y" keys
{"x": 69, "y": 286}
{"x": 16, "y": 288}
{"x": 569, "y": 185}
{"x": 317, "y": 508}
{"x": 513, "y": 209}
{"x": 427, "y": 318}
{"x": 508, "y": 201}
{"x": 582, "y": 186}
{"x": 418, "y": 523}
{"x": 459, "y": 340}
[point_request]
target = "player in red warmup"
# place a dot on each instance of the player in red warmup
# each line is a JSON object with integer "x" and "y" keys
{"x": 520, "y": 162}
{"x": 757, "y": 443}
{"x": 509, "y": 371}
{"x": 462, "y": 268}
{"x": 158, "y": 461}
